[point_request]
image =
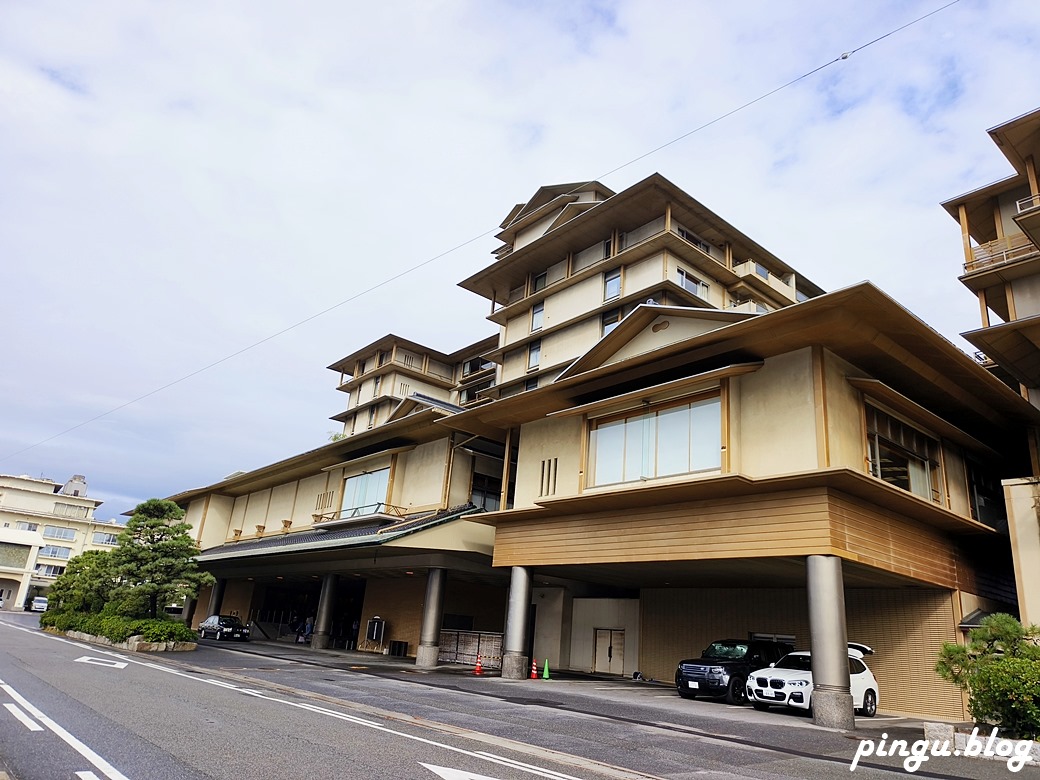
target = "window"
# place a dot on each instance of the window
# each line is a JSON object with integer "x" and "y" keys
{"x": 680, "y": 438}
{"x": 692, "y": 284}
{"x": 610, "y": 320}
{"x": 903, "y": 456}
{"x": 382, "y": 358}
{"x": 366, "y": 491}
{"x": 761, "y": 270}
{"x": 534, "y": 355}
{"x": 536, "y": 316}
{"x": 24, "y": 526}
{"x": 469, "y": 394}
{"x": 54, "y": 551}
{"x": 375, "y": 386}
{"x": 475, "y": 365}
{"x": 47, "y": 570}
{"x": 101, "y": 537}
{"x": 531, "y": 384}
{"x": 54, "y": 532}
{"x": 986, "y": 496}
{"x": 71, "y": 510}
{"x": 612, "y": 284}
{"x": 487, "y": 492}
{"x": 694, "y": 239}
{"x": 371, "y": 416}
{"x": 538, "y": 282}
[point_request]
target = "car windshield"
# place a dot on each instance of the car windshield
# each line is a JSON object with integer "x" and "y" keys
{"x": 733, "y": 651}
{"x": 230, "y": 622}
{"x": 802, "y": 663}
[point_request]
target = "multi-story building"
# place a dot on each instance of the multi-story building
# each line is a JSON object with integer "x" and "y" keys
{"x": 42, "y": 525}
{"x": 682, "y": 439}
{"x": 1000, "y": 225}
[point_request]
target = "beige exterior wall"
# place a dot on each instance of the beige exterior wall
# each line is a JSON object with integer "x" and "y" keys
{"x": 308, "y": 491}
{"x": 1026, "y": 294}
{"x": 592, "y": 614}
{"x": 559, "y": 440}
{"x": 846, "y": 431}
{"x": 399, "y": 602}
{"x": 644, "y": 274}
{"x": 420, "y": 475}
{"x": 1023, "y": 498}
{"x": 554, "y": 613}
{"x": 775, "y": 404}
{"x": 677, "y": 329}
{"x": 906, "y": 628}
{"x": 534, "y": 231}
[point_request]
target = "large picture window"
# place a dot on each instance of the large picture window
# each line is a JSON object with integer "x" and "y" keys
{"x": 680, "y": 438}
{"x": 366, "y": 491}
{"x": 903, "y": 456}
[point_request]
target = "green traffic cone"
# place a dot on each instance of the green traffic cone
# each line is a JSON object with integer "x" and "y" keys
{"x": 545, "y": 672}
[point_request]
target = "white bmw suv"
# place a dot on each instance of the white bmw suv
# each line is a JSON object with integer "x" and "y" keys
{"x": 789, "y": 682}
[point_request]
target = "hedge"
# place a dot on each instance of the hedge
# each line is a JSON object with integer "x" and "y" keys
{"x": 118, "y": 628}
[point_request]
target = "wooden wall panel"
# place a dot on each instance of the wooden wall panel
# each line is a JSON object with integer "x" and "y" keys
{"x": 790, "y": 523}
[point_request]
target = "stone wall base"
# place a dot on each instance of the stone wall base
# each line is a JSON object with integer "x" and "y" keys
{"x": 134, "y": 644}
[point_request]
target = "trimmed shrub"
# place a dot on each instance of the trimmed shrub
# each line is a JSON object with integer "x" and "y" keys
{"x": 118, "y": 628}
{"x": 1007, "y": 692}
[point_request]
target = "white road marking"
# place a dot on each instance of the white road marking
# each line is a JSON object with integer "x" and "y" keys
{"x": 101, "y": 662}
{"x": 28, "y": 722}
{"x": 521, "y": 765}
{"x": 87, "y": 776}
{"x": 105, "y": 768}
{"x": 453, "y": 774}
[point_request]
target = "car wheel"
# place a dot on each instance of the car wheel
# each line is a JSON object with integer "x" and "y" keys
{"x": 736, "y": 693}
{"x": 869, "y": 708}
{"x": 760, "y": 706}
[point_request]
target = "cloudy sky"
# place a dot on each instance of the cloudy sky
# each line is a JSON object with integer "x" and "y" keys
{"x": 180, "y": 181}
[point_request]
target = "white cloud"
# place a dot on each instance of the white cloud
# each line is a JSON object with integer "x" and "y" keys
{"x": 183, "y": 181}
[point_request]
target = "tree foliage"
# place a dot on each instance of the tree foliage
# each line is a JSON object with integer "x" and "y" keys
{"x": 154, "y": 560}
{"x": 1000, "y": 670}
{"x": 86, "y": 585}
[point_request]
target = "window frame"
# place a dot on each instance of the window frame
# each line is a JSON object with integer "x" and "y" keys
{"x": 931, "y": 462}
{"x": 610, "y": 277}
{"x": 534, "y": 355}
{"x": 537, "y": 316}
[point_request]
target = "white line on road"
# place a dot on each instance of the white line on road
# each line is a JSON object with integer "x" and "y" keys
{"x": 103, "y": 766}
{"x": 28, "y": 722}
{"x": 87, "y": 776}
{"x": 101, "y": 662}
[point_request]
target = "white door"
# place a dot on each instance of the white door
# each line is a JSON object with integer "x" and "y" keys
{"x": 610, "y": 651}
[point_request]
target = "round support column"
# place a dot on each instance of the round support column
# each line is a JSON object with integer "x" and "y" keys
{"x": 326, "y": 603}
{"x": 216, "y": 598}
{"x": 831, "y": 697}
{"x": 515, "y": 663}
{"x": 433, "y": 610}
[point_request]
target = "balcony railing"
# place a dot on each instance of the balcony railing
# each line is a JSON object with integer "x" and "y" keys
{"x": 1028, "y": 204}
{"x": 357, "y": 513}
{"x": 1009, "y": 249}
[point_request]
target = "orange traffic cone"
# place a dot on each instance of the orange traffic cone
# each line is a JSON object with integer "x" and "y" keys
{"x": 480, "y": 667}
{"x": 534, "y": 668}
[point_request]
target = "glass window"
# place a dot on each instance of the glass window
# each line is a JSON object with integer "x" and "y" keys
{"x": 675, "y": 439}
{"x": 692, "y": 284}
{"x": 612, "y": 284}
{"x": 531, "y": 384}
{"x": 54, "y": 532}
{"x": 903, "y": 456}
{"x": 610, "y": 320}
{"x": 487, "y": 492}
{"x": 24, "y": 526}
{"x": 538, "y": 282}
{"x": 536, "y": 316}
{"x": 54, "y": 551}
{"x": 100, "y": 537}
{"x": 366, "y": 491}
{"x": 534, "y": 354}
{"x": 761, "y": 270}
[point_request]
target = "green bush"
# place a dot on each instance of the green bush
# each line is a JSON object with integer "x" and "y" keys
{"x": 118, "y": 628}
{"x": 1007, "y": 692}
{"x": 1000, "y": 670}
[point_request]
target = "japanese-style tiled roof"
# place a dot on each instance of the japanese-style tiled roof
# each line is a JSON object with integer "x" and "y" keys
{"x": 379, "y": 531}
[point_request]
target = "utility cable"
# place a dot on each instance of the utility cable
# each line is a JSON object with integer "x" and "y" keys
{"x": 457, "y": 247}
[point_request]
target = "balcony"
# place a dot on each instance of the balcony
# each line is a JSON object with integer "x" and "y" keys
{"x": 756, "y": 276}
{"x": 358, "y": 515}
{"x": 1028, "y": 217}
{"x": 1002, "y": 252}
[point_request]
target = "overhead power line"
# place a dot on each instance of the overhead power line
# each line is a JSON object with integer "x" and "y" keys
{"x": 467, "y": 242}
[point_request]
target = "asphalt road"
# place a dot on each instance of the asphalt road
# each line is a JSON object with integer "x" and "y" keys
{"x": 253, "y": 712}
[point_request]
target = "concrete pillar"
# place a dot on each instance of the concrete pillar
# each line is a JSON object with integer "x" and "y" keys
{"x": 515, "y": 663}
{"x": 216, "y": 597}
{"x": 323, "y": 622}
{"x": 188, "y": 612}
{"x": 433, "y": 613}
{"x": 831, "y": 698}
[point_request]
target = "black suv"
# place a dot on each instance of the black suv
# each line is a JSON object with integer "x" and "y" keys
{"x": 724, "y": 666}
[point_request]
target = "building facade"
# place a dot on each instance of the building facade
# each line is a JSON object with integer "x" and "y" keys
{"x": 676, "y": 438}
{"x": 43, "y": 524}
{"x": 1000, "y": 226}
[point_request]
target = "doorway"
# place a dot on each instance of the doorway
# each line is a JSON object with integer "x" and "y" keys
{"x": 610, "y": 651}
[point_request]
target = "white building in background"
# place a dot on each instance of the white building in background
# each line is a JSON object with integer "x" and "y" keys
{"x": 43, "y": 524}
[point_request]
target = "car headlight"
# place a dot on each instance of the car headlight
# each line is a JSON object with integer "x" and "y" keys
{"x": 797, "y": 683}
{"x": 716, "y": 670}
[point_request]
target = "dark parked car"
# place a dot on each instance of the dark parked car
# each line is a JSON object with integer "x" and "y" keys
{"x": 724, "y": 666}
{"x": 223, "y": 627}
